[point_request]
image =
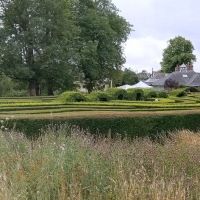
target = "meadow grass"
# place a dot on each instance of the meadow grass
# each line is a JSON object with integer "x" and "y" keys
{"x": 68, "y": 163}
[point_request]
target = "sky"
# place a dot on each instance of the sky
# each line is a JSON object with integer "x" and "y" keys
{"x": 155, "y": 22}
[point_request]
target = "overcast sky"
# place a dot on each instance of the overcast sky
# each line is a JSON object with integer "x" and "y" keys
{"x": 155, "y": 22}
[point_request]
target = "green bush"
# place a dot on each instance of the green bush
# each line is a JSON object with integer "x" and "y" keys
{"x": 98, "y": 96}
{"x": 135, "y": 94}
{"x": 70, "y": 96}
{"x": 117, "y": 94}
{"x": 149, "y": 94}
{"x": 131, "y": 126}
{"x": 162, "y": 94}
{"x": 178, "y": 93}
{"x": 191, "y": 89}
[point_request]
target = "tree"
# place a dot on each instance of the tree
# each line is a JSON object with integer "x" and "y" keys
{"x": 170, "y": 84}
{"x": 129, "y": 77}
{"x": 178, "y": 51}
{"x": 102, "y": 34}
{"x": 37, "y": 41}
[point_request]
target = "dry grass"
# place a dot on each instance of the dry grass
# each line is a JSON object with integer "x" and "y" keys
{"x": 68, "y": 163}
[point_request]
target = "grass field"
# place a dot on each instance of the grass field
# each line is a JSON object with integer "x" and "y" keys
{"x": 70, "y": 164}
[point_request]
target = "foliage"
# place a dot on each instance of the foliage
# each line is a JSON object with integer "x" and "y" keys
{"x": 178, "y": 93}
{"x": 178, "y": 51}
{"x": 102, "y": 33}
{"x": 70, "y": 97}
{"x": 135, "y": 94}
{"x": 192, "y": 89}
{"x": 170, "y": 84}
{"x": 35, "y": 40}
{"x": 162, "y": 94}
{"x": 117, "y": 93}
{"x": 98, "y": 96}
{"x": 129, "y": 77}
{"x": 149, "y": 94}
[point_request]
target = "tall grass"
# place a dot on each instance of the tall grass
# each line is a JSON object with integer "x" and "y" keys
{"x": 67, "y": 163}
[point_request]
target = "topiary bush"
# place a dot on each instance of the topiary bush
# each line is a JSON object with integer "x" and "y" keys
{"x": 98, "y": 96}
{"x": 149, "y": 94}
{"x": 162, "y": 94}
{"x": 178, "y": 93}
{"x": 117, "y": 94}
{"x": 135, "y": 94}
{"x": 70, "y": 96}
{"x": 191, "y": 89}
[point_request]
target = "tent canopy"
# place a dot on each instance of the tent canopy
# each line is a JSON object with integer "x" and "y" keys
{"x": 125, "y": 87}
{"x": 141, "y": 85}
{"x": 138, "y": 85}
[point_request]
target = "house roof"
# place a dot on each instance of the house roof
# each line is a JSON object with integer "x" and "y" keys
{"x": 155, "y": 78}
{"x": 183, "y": 77}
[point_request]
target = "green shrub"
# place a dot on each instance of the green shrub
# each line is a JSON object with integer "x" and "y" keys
{"x": 149, "y": 94}
{"x": 162, "y": 94}
{"x": 136, "y": 126}
{"x": 191, "y": 89}
{"x": 178, "y": 93}
{"x": 117, "y": 94}
{"x": 135, "y": 94}
{"x": 98, "y": 96}
{"x": 70, "y": 96}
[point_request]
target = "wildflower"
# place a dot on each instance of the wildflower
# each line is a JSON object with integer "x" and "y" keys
{"x": 2, "y": 127}
{"x": 2, "y": 121}
{"x": 7, "y": 118}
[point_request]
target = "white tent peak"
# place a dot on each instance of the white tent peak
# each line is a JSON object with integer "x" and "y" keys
{"x": 141, "y": 84}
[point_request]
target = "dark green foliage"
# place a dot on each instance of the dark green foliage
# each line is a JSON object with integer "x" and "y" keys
{"x": 178, "y": 93}
{"x": 117, "y": 94}
{"x": 170, "y": 83}
{"x": 98, "y": 96}
{"x": 70, "y": 97}
{"x": 135, "y": 94}
{"x": 178, "y": 52}
{"x": 192, "y": 89}
{"x": 130, "y": 126}
{"x": 102, "y": 33}
{"x": 162, "y": 94}
{"x": 129, "y": 77}
{"x": 149, "y": 94}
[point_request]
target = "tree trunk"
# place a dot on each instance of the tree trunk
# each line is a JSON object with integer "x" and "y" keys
{"x": 50, "y": 87}
{"x": 37, "y": 88}
{"x": 32, "y": 88}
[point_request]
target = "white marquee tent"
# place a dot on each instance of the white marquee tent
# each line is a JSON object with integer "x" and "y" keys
{"x": 141, "y": 85}
{"x": 138, "y": 85}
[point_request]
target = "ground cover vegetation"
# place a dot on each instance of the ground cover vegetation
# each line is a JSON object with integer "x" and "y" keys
{"x": 68, "y": 163}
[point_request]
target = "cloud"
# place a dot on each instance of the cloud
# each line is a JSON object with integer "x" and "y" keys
{"x": 144, "y": 53}
{"x": 155, "y": 22}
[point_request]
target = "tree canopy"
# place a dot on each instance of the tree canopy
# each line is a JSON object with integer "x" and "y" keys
{"x": 50, "y": 42}
{"x": 178, "y": 51}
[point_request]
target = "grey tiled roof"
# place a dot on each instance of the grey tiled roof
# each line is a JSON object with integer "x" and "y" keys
{"x": 182, "y": 77}
{"x": 194, "y": 81}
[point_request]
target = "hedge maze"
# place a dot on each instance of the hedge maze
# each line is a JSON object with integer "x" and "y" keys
{"x": 147, "y": 111}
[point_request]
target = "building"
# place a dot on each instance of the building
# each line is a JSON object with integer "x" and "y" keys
{"x": 183, "y": 74}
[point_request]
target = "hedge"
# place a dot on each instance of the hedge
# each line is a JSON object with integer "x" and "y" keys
{"x": 135, "y": 94}
{"x": 117, "y": 93}
{"x": 131, "y": 126}
{"x": 98, "y": 96}
{"x": 178, "y": 93}
{"x": 149, "y": 94}
{"x": 70, "y": 96}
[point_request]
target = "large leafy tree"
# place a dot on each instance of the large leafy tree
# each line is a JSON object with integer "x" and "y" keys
{"x": 128, "y": 77}
{"x": 102, "y": 34}
{"x": 37, "y": 39}
{"x": 178, "y": 51}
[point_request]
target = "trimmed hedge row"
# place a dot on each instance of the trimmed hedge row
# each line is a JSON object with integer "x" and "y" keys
{"x": 111, "y": 94}
{"x": 130, "y": 126}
